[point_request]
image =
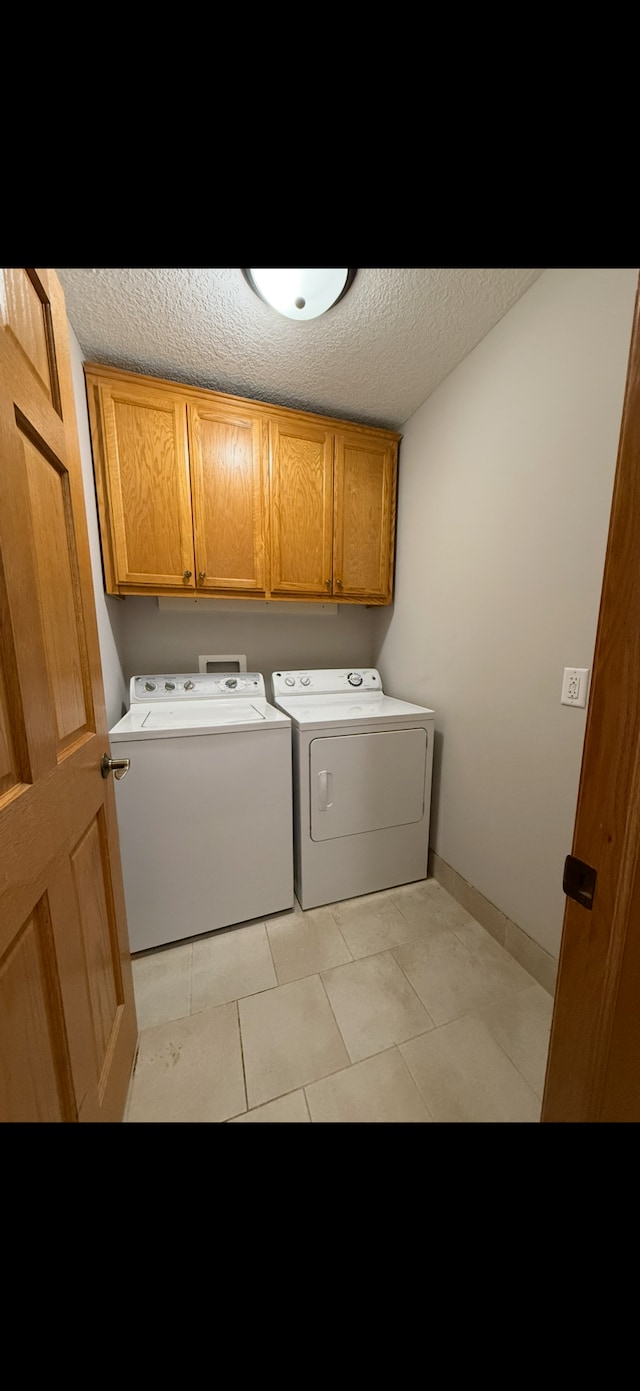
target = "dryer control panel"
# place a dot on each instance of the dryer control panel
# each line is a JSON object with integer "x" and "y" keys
{"x": 337, "y": 681}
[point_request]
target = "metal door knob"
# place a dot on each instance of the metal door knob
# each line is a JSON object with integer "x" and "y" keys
{"x": 187, "y": 574}
{"x": 202, "y": 574}
{"x": 118, "y": 766}
{"x": 338, "y": 584}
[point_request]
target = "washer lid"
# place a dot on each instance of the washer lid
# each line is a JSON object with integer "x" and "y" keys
{"x": 156, "y": 721}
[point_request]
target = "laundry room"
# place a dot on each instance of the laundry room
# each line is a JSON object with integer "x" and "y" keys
{"x": 345, "y": 575}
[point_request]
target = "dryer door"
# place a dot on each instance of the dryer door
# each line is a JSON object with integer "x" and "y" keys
{"x": 366, "y": 782}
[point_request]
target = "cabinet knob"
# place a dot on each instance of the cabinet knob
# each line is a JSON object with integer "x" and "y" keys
{"x": 187, "y": 575}
{"x": 338, "y": 584}
{"x": 202, "y": 574}
{"x": 328, "y": 584}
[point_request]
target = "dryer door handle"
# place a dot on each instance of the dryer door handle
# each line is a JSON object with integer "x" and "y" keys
{"x": 325, "y": 790}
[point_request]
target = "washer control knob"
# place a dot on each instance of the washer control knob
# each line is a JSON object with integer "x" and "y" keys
{"x": 289, "y": 680}
{"x": 189, "y": 685}
{"x": 169, "y": 685}
{"x": 150, "y": 685}
{"x": 231, "y": 683}
{"x": 354, "y": 678}
{"x": 305, "y": 680}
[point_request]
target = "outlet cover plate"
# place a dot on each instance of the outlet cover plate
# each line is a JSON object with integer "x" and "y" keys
{"x": 574, "y": 686}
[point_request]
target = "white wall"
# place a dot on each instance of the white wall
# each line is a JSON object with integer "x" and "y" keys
{"x": 505, "y": 486}
{"x": 108, "y": 610}
{"x": 157, "y": 640}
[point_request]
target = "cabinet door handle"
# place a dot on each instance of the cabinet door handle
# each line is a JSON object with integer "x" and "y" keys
{"x": 202, "y": 574}
{"x": 328, "y": 584}
{"x": 338, "y": 584}
{"x": 187, "y": 575}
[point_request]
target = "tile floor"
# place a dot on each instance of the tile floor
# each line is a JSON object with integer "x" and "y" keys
{"x": 396, "y": 1007}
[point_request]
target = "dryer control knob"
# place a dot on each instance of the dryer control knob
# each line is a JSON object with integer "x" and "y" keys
{"x": 189, "y": 685}
{"x": 305, "y": 680}
{"x": 354, "y": 678}
{"x": 289, "y": 681}
{"x": 150, "y": 685}
{"x": 169, "y": 685}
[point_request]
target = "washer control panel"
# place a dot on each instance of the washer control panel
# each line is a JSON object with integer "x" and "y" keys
{"x": 330, "y": 682}
{"x": 197, "y": 685}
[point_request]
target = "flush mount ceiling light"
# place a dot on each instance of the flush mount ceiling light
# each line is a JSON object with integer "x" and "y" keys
{"x": 300, "y": 294}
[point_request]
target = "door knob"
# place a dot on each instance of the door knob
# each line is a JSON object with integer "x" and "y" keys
{"x": 202, "y": 574}
{"x": 118, "y": 766}
{"x": 187, "y": 575}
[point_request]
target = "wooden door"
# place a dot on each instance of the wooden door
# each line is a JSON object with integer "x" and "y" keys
{"x": 364, "y": 516}
{"x": 146, "y": 463}
{"x": 67, "y": 1017}
{"x": 593, "y": 1068}
{"x": 229, "y": 504}
{"x": 301, "y": 467}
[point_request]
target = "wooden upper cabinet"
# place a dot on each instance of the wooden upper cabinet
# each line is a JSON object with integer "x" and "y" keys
{"x": 301, "y": 469}
{"x": 227, "y": 482}
{"x": 364, "y": 516}
{"x": 208, "y": 494}
{"x": 146, "y": 474}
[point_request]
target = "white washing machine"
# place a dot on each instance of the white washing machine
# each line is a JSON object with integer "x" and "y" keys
{"x": 362, "y": 765}
{"x": 205, "y": 810}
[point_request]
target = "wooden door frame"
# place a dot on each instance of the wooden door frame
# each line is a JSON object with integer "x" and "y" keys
{"x": 593, "y": 1067}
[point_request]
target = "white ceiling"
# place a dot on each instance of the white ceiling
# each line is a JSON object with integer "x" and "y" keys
{"x": 374, "y": 358}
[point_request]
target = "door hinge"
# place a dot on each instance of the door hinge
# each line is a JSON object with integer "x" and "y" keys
{"x": 579, "y": 881}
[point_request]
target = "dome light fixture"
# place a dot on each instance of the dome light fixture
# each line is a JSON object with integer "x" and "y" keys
{"x": 300, "y": 294}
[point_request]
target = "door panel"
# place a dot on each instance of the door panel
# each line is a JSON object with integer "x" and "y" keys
{"x": 35, "y": 1073}
{"x": 228, "y": 497}
{"x": 67, "y": 1018}
{"x": 26, "y": 316}
{"x": 365, "y": 474}
{"x": 60, "y": 605}
{"x": 364, "y": 782}
{"x": 301, "y": 461}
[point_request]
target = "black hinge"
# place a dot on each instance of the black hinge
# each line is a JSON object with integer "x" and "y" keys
{"x": 579, "y": 881}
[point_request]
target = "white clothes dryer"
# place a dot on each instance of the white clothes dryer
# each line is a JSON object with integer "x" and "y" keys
{"x": 205, "y": 811}
{"x": 362, "y": 766}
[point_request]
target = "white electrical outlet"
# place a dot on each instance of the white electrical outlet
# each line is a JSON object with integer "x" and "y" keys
{"x": 574, "y": 686}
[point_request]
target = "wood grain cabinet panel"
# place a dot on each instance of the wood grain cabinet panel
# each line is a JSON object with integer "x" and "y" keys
{"x": 147, "y": 476}
{"x": 205, "y": 493}
{"x": 364, "y": 506}
{"x": 301, "y": 466}
{"x": 226, "y": 456}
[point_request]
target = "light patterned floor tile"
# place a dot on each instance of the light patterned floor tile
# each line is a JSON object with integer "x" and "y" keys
{"x": 428, "y": 907}
{"x": 522, "y": 1025}
{"x": 380, "y": 1089}
{"x": 449, "y": 979}
{"x": 190, "y": 1069}
{"x": 231, "y": 964}
{"x": 374, "y": 1004}
{"x": 162, "y": 985}
{"x": 285, "y": 1109}
{"x": 485, "y": 948}
{"x": 464, "y": 1075}
{"x": 371, "y": 924}
{"x": 289, "y": 1037}
{"x": 305, "y": 943}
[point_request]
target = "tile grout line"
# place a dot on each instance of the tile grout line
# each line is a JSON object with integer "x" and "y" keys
{"x": 244, "y": 1071}
{"x": 414, "y": 1079}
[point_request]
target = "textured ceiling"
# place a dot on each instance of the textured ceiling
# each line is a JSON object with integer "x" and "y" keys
{"x": 375, "y": 357}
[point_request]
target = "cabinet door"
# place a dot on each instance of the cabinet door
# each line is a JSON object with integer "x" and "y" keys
{"x": 301, "y": 459}
{"x": 147, "y": 468}
{"x": 228, "y": 497}
{"x": 364, "y": 516}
